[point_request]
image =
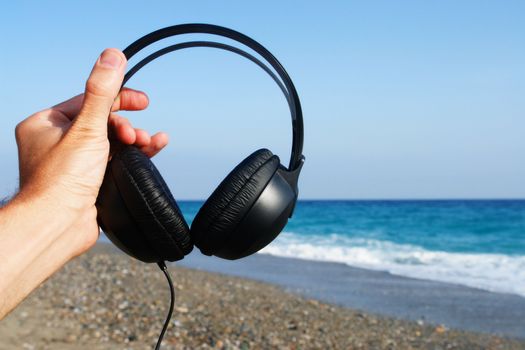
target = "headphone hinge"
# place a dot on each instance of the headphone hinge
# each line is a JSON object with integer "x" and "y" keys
{"x": 292, "y": 178}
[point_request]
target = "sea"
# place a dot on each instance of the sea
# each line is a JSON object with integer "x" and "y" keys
{"x": 476, "y": 243}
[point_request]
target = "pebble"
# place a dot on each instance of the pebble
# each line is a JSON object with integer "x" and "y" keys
{"x": 104, "y": 300}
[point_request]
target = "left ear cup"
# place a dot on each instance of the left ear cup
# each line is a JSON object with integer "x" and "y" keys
{"x": 150, "y": 203}
{"x": 231, "y": 201}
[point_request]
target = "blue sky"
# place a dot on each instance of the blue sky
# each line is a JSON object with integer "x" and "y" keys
{"x": 402, "y": 99}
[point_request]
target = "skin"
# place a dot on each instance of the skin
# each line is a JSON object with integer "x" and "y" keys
{"x": 63, "y": 153}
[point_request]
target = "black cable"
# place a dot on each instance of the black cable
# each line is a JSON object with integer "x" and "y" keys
{"x": 164, "y": 269}
{"x": 216, "y": 45}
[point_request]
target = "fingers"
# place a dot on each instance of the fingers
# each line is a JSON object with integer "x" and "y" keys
{"x": 158, "y": 142}
{"x": 142, "y": 138}
{"x": 122, "y": 131}
{"x": 130, "y": 100}
{"x": 102, "y": 88}
{"x": 127, "y": 100}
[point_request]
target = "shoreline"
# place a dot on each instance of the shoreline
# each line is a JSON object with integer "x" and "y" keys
{"x": 105, "y": 300}
{"x": 379, "y": 292}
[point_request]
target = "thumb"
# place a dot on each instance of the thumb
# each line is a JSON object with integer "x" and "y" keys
{"x": 102, "y": 87}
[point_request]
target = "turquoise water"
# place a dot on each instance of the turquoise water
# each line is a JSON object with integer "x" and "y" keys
{"x": 470, "y": 242}
{"x": 452, "y": 226}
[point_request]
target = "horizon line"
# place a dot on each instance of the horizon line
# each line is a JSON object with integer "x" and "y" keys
{"x": 391, "y": 199}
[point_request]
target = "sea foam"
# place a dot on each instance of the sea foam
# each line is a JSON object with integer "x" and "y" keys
{"x": 492, "y": 272}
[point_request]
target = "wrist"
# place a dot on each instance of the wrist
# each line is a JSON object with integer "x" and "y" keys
{"x": 37, "y": 239}
{"x": 29, "y": 225}
{"x": 43, "y": 210}
{"x": 66, "y": 217}
{"x": 55, "y": 197}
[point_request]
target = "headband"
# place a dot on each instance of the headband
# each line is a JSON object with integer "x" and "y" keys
{"x": 288, "y": 88}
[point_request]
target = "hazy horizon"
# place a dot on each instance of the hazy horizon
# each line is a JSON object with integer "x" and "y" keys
{"x": 381, "y": 199}
{"x": 401, "y": 100}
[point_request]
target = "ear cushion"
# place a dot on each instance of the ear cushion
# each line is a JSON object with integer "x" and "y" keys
{"x": 151, "y": 203}
{"x": 230, "y": 202}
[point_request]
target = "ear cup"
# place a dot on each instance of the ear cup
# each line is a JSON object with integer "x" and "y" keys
{"x": 230, "y": 202}
{"x": 150, "y": 203}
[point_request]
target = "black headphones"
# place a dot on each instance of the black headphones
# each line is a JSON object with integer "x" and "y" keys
{"x": 246, "y": 212}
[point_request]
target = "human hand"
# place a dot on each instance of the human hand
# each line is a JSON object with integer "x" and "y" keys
{"x": 63, "y": 151}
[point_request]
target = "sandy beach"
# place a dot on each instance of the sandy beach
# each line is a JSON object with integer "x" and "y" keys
{"x": 105, "y": 300}
{"x": 379, "y": 292}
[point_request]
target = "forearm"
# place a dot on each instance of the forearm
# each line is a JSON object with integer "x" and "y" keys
{"x": 32, "y": 245}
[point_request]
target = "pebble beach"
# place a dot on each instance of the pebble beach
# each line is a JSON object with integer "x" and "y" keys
{"x": 105, "y": 300}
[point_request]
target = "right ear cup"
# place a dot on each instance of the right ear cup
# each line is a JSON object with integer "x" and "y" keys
{"x": 230, "y": 202}
{"x": 152, "y": 210}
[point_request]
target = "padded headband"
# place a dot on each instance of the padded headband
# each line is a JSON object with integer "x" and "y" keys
{"x": 292, "y": 97}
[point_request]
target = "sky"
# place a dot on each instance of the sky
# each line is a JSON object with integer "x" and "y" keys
{"x": 401, "y": 99}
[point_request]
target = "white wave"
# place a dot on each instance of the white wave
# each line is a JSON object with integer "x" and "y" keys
{"x": 493, "y": 272}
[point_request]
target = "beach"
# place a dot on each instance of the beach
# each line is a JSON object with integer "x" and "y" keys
{"x": 105, "y": 300}
{"x": 380, "y": 292}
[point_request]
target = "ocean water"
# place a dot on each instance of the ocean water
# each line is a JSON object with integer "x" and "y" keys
{"x": 477, "y": 243}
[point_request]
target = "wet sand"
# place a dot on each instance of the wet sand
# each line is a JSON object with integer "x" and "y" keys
{"x": 380, "y": 292}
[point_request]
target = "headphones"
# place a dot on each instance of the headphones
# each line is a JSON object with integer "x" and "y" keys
{"x": 245, "y": 213}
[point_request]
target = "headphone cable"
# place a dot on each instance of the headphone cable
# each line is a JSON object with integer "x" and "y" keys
{"x": 164, "y": 269}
